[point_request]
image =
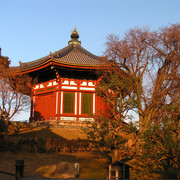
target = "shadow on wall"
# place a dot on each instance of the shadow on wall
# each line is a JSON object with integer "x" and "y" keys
{"x": 42, "y": 133}
{"x": 37, "y": 116}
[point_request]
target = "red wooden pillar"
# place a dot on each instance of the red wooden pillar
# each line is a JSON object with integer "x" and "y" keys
{"x": 58, "y": 100}
{"x": 32, "y": 105}
{"x": 31, "y": 113}
{"x": 78, "y": 99}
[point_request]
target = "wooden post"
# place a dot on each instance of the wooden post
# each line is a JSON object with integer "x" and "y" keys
{"x": 115, "y": 156}
{"x": 19, "y": 169}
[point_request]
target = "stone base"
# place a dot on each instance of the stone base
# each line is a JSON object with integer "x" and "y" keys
{"x": 61, "y": 124}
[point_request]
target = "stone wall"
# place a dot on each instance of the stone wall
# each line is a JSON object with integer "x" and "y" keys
{"x": 54, "y": 124}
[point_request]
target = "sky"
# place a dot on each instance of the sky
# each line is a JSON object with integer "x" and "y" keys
{"x": 30, "y": 29}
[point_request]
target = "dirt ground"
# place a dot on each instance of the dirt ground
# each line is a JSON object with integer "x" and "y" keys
{"x": 6, "y": 177}
{"x": 43, "y": 165}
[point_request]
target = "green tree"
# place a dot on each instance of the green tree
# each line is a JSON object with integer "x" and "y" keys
{"x": 161, "y": 143}
{"x": 109, "y": 131}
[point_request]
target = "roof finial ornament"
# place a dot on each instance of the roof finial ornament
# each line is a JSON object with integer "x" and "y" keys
{"x": 50, "y": 55}
{"x": 20, "y": 63}
{"x": 0, "y": 51}
{"x": 74, "y": 37}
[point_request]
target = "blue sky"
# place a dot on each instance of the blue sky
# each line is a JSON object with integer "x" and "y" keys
{"x": 30, "y": 29}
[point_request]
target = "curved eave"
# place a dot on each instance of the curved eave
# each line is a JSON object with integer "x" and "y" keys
{"x": 51, "y": 62}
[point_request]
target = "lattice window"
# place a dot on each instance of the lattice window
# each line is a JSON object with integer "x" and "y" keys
{"x": 86, "y": 103}
{"x": 68, "y": 102}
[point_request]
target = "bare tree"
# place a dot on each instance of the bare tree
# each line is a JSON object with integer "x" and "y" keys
{"x": 152, "y": 61}
{"x": 14, "y": 92}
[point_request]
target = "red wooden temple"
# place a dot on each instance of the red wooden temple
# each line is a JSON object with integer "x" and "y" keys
{"x": 66, "y": 83}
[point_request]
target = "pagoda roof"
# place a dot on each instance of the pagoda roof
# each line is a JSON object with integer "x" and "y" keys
{"x": 73, "y": 55}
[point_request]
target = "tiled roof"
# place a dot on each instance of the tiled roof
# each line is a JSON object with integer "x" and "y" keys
{"x": 73, "y": 55}
{"x": 80, "y": 56}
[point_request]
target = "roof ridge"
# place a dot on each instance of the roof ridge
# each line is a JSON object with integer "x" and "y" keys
{"x": 64, "y": 51}
{"x": 88, "y": 52}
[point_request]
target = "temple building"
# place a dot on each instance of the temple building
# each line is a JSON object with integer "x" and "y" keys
{"x": 66, "y": 82}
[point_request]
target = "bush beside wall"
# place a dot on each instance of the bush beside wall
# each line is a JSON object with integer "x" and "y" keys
{"x": 50, "y": 145}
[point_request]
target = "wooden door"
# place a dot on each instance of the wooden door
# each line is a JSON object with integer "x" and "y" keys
{"x": 45, "y": 106}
